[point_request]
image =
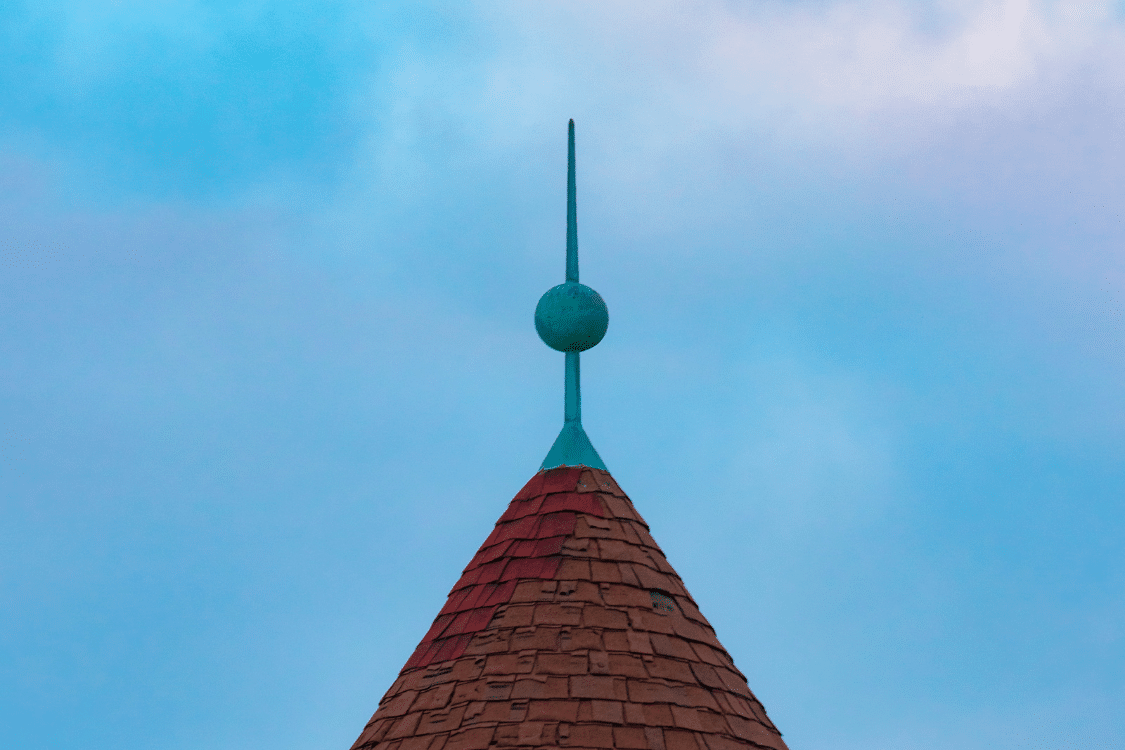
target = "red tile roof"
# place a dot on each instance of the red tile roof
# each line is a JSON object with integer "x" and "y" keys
{"x": 569, "y": 628}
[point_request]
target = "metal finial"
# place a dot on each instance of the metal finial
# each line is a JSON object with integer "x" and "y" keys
{"x": 571, "y": 211}
{"x": 571, "y": 318}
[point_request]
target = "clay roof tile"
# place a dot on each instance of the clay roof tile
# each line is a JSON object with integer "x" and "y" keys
{"x": 558, "y": 614}
{"x": 521, "y": 509}
{"x": 556, "y": 524}
{"x": 540, "y": 686}
{"x": 705, "y": 675}
{"x": 532, "y": 488}
{"x": 436, "y": 697}
{"x": 650, "y": 579}
{"x": 620, "y": 595}
{"x": 420, "y": 742}
{"x": 590, "y": 736}
{"x": 561, "y": 663}
{"x": 628, "y": 665}
{"x": 655, "y": 737}
{"x": 572, "y": 569}
{"x": 630, "y": 738}
{"x": 671, "y": 669}
{"x": 580, "y": 547}
{"x": 522, "y": 528}
{"x": 527, "y": 591}
{"x": 647, "y": 620}
{"x": 602, "y": 687}
{"x": 549, "y": 546}
{"x": 629, "y": 533}
{"x": 490, "y": 572}
{"x": 450, "y": 648}
{"x": 677, "y": 739}
{"x": 658, "y": 715}
{"x": 514, "y": 616}
{"x": 604, "y": 571}
{"x": 441, "y": 720}
{"x": 553, "y": 710}
{"x": 672, "y": 646}
{"x": 527, "y": 567}
{"x": 501, "y": 594}
{"x": 579, "y": 639}
{"x": 712, "y": 721}
{"x": 722, "y": 742}
{"x": 686, "y": 718}
{"x": 614, "y": 640}
{"x": 605, "y": 482}
{"x": 560, "y": 480}
{"x": 587, "y": 482}
{"x": 469, "y": 739}
{"x": 575, "y": 501}
{"x": 488, "y": 642}
{"x": 620, "y": 508}
{"x": 756, "y": 733}
{"x": 397, "y": 706}
{"x": 404, "y": 727}
{"x": 601, "y": 617}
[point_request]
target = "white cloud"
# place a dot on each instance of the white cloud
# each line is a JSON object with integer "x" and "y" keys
{"x": 806, "y": 66}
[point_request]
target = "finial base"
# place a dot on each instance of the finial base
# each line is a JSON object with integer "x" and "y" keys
{"x": 573, "y": 448}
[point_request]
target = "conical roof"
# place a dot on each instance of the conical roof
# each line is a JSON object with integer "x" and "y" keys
{"x": 569, "y": 628}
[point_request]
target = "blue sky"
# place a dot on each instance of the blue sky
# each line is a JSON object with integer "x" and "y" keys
{"x": 268, "y": 372}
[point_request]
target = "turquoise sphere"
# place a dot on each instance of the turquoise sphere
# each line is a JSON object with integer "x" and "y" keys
{"x": 571, "y": 317}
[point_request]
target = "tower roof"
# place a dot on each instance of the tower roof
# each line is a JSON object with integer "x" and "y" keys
{"x": 569, "y": 628}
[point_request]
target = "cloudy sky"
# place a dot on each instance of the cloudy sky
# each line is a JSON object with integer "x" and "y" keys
{"x": 268, "y": 372}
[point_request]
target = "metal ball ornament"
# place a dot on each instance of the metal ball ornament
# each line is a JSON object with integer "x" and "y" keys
{"x": 571, "y": 317}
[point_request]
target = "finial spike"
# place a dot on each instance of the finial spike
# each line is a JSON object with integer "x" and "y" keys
{"x": 571, "y": 212}
{"x": 571, "y": 318}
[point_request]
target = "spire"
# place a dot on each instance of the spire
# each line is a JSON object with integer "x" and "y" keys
{"x": 569, "y": 628}
{"x": 571, "y": 211}
{"x": 571, "y": 318}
